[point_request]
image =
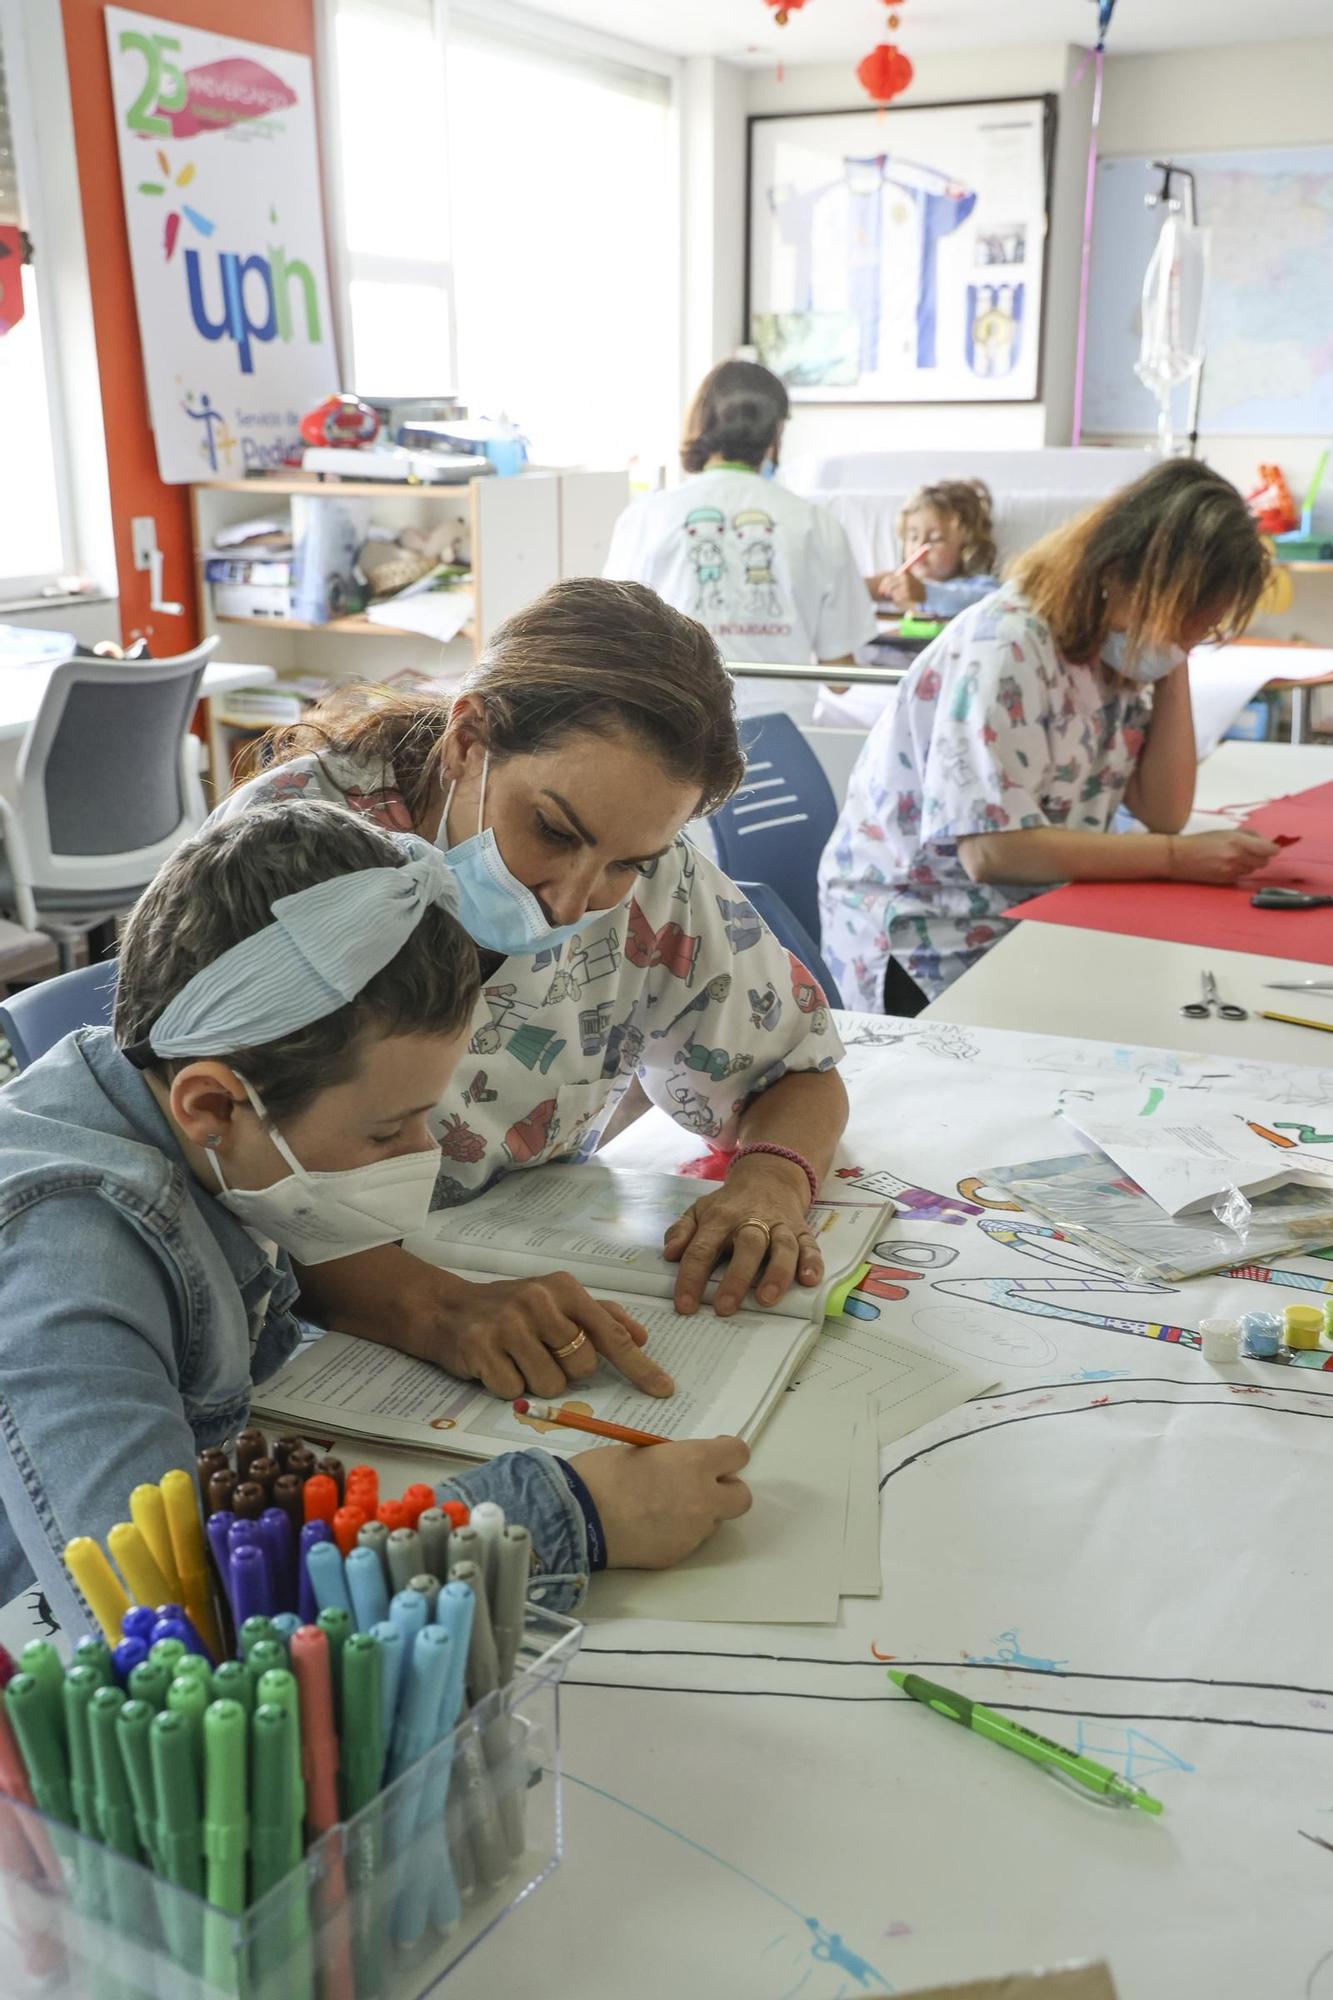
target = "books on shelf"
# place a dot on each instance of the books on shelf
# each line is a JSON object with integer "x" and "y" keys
{"x": 603, "y": 1225}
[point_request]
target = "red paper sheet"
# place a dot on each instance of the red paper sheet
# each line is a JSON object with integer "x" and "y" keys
{"x": 1194, "y": 913}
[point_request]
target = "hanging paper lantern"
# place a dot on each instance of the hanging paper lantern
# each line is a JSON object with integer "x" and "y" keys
{"x": 782, "y": 8}
{"x": 885, "y": 73}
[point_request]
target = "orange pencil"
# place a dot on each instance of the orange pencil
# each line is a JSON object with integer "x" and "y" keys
{"x": 548, "y": 1413}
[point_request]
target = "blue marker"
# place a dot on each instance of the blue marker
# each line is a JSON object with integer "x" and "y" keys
{"x": 407, "y": 1610}
{"x": 366, "y": 1588}
{"x": 324, "y": 1567}
{"x": 454, "y": 1609}
{"x": 311, "y": 1533}
{"x": 279, "y": 1546}
{"x": 284, "y": 1624}
{"x": 417, "y": 1726}
{"x": 174, "y": 1622}
{"x": 125, "y": 1657}
{"x": 138, "y": 1623}
{"x": 391, "y": 1673}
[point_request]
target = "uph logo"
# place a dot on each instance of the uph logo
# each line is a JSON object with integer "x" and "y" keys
{"x": 256, "y": 301}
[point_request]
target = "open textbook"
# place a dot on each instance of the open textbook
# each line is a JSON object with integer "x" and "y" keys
{"x": 604, "y": 1225}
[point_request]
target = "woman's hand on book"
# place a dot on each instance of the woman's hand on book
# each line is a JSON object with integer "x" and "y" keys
{"x": 537, "y": 1335}
{"x": 762, "y": 1190}
{"x": 659, "y": 1502}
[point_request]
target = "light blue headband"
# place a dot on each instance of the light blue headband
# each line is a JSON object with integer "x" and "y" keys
{"x": 324, "y": 946}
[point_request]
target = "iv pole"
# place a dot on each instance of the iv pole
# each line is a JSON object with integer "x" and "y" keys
{"x": 1166, "y": 197}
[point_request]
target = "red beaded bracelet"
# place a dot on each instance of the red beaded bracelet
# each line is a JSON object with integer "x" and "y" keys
{"x": 782, "y": 1153}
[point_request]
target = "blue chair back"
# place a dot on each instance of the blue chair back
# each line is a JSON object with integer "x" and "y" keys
{"x": 790, "y": 932}
{"x": 34, "y": 1021}
{"x": 778, "y": 823}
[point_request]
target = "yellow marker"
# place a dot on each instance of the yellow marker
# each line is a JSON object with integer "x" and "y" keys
{"x": 149, "y": 1516}
{"x": 838, "y": 1297}
{"x": 180, "y": 1497}
{"x": 99, "y": 1583}
{"x": 133, "y": 1558}
{"x": 1301, "y": 1326}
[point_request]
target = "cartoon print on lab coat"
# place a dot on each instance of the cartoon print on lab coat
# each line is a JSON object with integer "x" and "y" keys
{"x": 754, "y": 530}
{"x": 704, "y": 529}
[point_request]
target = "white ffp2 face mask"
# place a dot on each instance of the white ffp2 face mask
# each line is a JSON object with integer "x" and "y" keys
{"x": 316, "y": 1217}
{"x": 1147, "y": 664}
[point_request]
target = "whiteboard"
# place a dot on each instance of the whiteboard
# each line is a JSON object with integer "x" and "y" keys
{"x": 900, "y": 256}
{"x": 1269, "y": 311}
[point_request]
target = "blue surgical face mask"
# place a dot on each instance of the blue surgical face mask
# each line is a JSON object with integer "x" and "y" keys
{"x": 494, "y": 907}
{"x": 1147, "y": 664}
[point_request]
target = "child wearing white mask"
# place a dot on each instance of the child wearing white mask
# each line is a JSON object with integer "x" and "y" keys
{"x": 293, "y": 994}
{"x": 1024, "y": 727}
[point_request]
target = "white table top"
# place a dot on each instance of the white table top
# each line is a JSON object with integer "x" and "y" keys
{"x": 1056, "y": 979}
{"x": 21, "y": 690}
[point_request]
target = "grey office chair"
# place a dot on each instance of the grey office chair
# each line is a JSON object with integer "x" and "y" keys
{"x": 108, "y": 785}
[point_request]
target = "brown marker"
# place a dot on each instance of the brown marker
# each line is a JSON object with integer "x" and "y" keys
{"x": 250, "y": 1445}
{"x": 209, "y": 1462}
{"x": 263, "y": 1471}
{"x": 284, "y": 1446}
{"x": 248, "y": 1501}
{"x": 301, "y": 1462}
{"x": 222, "y": 1491}
{"x": 333, "y": 1467}
{"x": 287, "y": 1490}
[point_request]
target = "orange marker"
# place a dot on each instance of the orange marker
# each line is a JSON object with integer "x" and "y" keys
{"x": 416, "y": 1500}
{"x": 346, "y": 1522}
{"x": 319, "y": 1497}
{"x": 393, "y": 1514}
{"x": 363, "y": 1488}
{"x": 549, "y": 1413}
{"x": 458, "y": 1513}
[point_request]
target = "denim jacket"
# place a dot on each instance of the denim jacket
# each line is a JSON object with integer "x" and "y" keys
{"x": 136, "y": 1316}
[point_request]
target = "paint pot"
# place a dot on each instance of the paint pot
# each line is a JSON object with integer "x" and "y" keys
{"x": 1262, "y": 1334}
{"x": 1302, "y": 1326}
{"x": 1220, "y": 1340}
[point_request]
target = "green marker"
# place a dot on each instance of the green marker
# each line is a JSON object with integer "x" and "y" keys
{"x": 253, "y": 1629}
{"x": 80, "y": 1685}
{"x": 279, "y": 1687}
{"x": 169, "y": 1651}
{"x": 271, "y": 1818}
{"x": 233, "y": 1681}
{"x": 225, "y": 1824}
{"x": 40, "y": 1659}
{"x": 92, "y": 1652}
{"x": 266, "y": 1656}
{"x": 132, "y": 1725}
{"x": 39, "y": 1725}
{"x": 338, "y": 1625}
{"x": 193, "y": 1666}
{"x": 179, "y": 1813}
{"x": 188, "y": 1697}
{"x": 150, "y": 1680}
{"x": 362, "y": 1733}
{"x": 1053, "y": 1757}
{"x": 127, "y": 1893}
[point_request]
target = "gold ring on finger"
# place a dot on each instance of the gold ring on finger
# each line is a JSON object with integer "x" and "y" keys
{"x": 570, "y": 1347}
{"x": 756, "y": 1222}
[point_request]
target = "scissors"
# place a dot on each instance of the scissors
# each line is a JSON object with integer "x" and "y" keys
{"x": 1201, "y": 1010}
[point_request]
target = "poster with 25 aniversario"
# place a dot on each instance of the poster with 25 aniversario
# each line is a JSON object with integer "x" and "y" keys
{"x": 899, "y": 256}
{"x": 221, "y": 184}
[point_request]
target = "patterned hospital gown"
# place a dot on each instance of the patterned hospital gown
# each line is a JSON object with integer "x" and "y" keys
{"x": 992, "y": 731}
{"x": 681, "y": 985}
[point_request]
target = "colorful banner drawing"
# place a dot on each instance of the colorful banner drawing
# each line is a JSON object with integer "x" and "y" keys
{"x": 220, "y": 177}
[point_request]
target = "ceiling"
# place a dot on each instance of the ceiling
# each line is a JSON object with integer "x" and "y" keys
{"x": 838, "y": 30}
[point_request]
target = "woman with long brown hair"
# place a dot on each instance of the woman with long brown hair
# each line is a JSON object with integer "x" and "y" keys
{"x": 598, "y": 722}
{"x": 1024, "y": 727}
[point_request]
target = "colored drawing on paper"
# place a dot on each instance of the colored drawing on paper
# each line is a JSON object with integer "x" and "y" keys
{"x": 1009, "y": 1653}
{"x": 922, "y": 1204}
{"x": 1128, "y": 1751}
{"x": 823, "y": 1946}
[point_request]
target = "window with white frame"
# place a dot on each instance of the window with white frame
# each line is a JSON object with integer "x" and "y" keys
{"x": 33, "y": 539}
{"x": 548, "y": 246}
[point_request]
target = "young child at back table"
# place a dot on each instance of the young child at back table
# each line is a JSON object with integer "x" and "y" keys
{"x": 949, "y": 526}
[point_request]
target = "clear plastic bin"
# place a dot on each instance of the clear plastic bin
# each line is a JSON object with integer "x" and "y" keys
{"x": 380, "y": 1909}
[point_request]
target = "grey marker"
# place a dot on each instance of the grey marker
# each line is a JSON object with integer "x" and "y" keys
{"x": 376, "y": 1536}
{"x": 490, "y": 1850}
{"x": 429, "y": 1586}
{"x": 483, "y": 1678}
{"x": 433, "y": 1528}
{"x": 465, "y": 1547}
{"x": 404, "y": 1553}
{"x": 513, "y": 1566}
{"x": 488, "y": 1518}
{"x": 483, "y": 1667}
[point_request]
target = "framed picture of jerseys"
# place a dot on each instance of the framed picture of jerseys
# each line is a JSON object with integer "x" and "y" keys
{"x": 900, "y": 256}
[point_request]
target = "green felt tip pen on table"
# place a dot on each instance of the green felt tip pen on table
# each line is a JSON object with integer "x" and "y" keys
{"x": 1105, "y": 1784}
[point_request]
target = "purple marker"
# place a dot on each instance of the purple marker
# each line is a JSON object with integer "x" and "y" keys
{"x": 279, "y": 1546}
{"x": 138, "y": 1623}
{"x": 218, "y": 1526}
{"x": 250, "y": 1593}
{"x": 306, "y": 1601}
{"x": 130, "y": 1653}
{"x": 240, "y": 1531}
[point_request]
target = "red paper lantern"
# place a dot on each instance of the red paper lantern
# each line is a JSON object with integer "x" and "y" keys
{"x": 885, "y": 73}
{"x": 782, "y": 8}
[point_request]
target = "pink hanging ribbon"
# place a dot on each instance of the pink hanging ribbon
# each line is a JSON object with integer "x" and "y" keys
{"x": 1098, "y": 57}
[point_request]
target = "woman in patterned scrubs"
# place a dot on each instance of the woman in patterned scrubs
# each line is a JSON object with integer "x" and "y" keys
{"x": 598, "y": 723}
{"x": 1021, "y": 731}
